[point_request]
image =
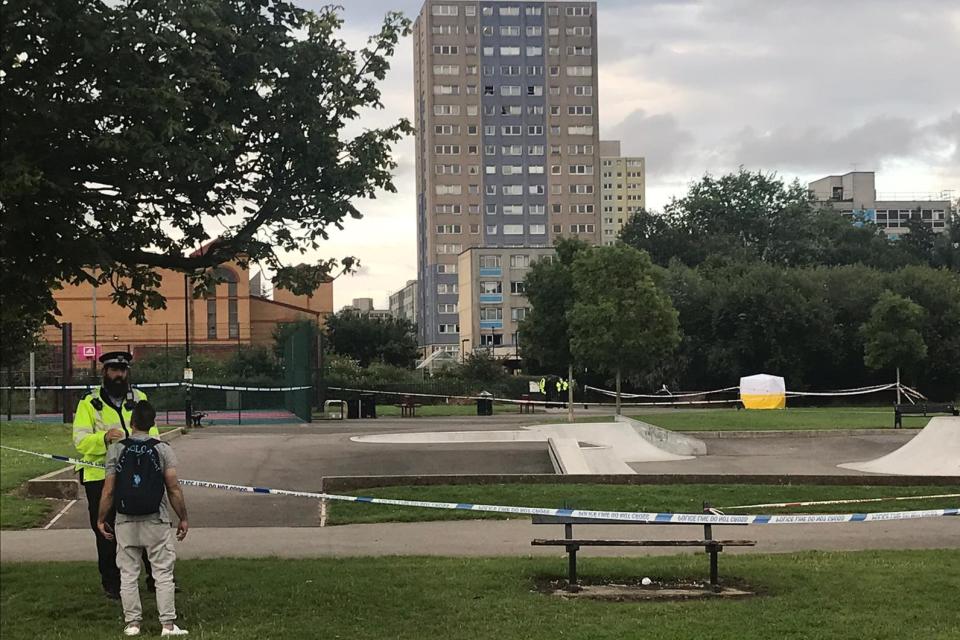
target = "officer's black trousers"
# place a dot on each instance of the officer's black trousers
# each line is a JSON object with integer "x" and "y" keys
{"x": 107, "y": 549}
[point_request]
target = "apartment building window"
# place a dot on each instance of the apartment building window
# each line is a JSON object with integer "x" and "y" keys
{"x": 445, "y": 29}
{"x": 448, "y": 169}
{"x": 553, "y": 11}
{"x": 510, "y": 90}
{"x": 518, "y": 288}
{"x": 535, "y": 71}
{"x": 555, "y": 91}
{"x": 537, "y": 209}
{"x": 471, "y": 50}
{"x": 511, "y": 110}
{"x": 470, "y": 10}
{"x": 510, "y": 70}
{"x": 534, "y": 31}
{"x": 448, "y": 328}
{"x": 487, "y": 11}
{"x": 581, "y": 130}
{"x": 579, "y": 31}
{"x": 471, "y": 70}
{"x": 555, "y": 170}
{"x": 471, "y": 89}
{"x": 582, "y": 228}
{"x": 581, "y": 208}
{"x": 446, "y": 129}
{"x": 473, "y": 208}
{"x": 446, "y": 89}
{"x": 472, "y": 110}
{"x": 579, "y": 51}
{"x": 580, "y": 149}
{"x": 535, "y": 130}
{"x": 518, "y": 313}
{"x": 446, "y": 49}
{"x": 490, "y": 189}
{"x": 491, "y": 230}
{"x": 557, "y": 228}
{"x": 580, "y": 110}
{"x": 474, "y": 229}
{"x": 581, "y": 169}
{"x": 471, "y": 30}
{"x": 510, "y": 31}
{"x": 447, "y": 208}
{"x": 491, "y": 209}
{"x": 446, "y": 109}
{"x": 488, "y": 51}
{"x": 491, "y": 340}
{"x": 513, "y": 229}
{"x": 534, "y": 169}
{"x": 512, "y": 190}
{"x": 446, "y": 268}
{"x": 491, "y": 286}
{"x": 535, "y": 150}
{"x": 512, "y": 150}
{"x": 581, "y": 189}
{"x": 447, "y": 307}
{"x": 511, "y": 130}
{"x": 448, "y": 189}
{"x": 448, "y": 228}
{"x": 447, "y": 288}
{"x": 491, "y": 313}
{"x": 556, "y": 190}
{"x": 513, "y": 209}
{"x": 447, "y": 149}
{"x": 553, "y": 51}
{"x": 578, "y": 71}
{"x": 534, "y": 11}
{"x": 472, "y": 130}
{"x": 578, "y": 11}
{"x": 537, "y": 189}
{"x": 535, "y": 110}
{"x": 538, "y": 229}
{"x": 449, "y": 248}
{"x": 511, "y": 169}
{"x": 489, "y": 262}
{"x": 509, "y": 51}
{"x": 489, "y": 130}
{"x": 509, "y": 11}
{"x": 534, "y": 51}
{"x": 535, "y": 90}
{"x": 581, "y": 90}
{"x": 445, "y": 10}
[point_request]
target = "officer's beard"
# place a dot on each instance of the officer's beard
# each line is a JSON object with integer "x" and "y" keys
{"x": 116, "y": 387}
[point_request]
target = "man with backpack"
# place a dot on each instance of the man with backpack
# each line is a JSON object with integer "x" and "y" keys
{"x": 142, "y": 486}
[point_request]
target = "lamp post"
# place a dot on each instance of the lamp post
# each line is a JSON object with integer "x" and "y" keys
{"x": 187, "y": 371}
{"x": 463, "y": 350}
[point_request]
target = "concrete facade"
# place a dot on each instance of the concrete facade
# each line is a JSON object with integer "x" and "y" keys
{"x": 855, "y": 195}
{"x": 623, "y": 190}
{"x": 506, "y": 119}
{"x": 365, "y": 307}
{"x": 492, "y": 300}
{"x": 403, "y": 303}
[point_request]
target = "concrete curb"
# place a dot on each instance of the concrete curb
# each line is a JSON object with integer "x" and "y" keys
{"x": 63, "y": 483}
{"x": 334, "y": 484}
{"x": 675, "y": 442}
{"x": 799, "y": 433}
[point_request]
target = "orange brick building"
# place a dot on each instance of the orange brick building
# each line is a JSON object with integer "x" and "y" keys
{"x": 238, "y": 313}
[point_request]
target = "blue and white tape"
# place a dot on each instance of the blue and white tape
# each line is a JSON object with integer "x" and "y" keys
{"x": 623, "y": 516}
{"x": 155, "y": 385}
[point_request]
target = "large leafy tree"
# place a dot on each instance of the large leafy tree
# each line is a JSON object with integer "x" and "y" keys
{"x": 367, "y": 340}
{"x": 893, "y": 335}
{"x": 148, "y": 134}
{"x": 621, "y": 322}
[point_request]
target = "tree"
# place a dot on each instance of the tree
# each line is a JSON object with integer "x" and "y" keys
{"x": 892, "y": 335}
{"x": 365, "y": 339}
{"x": 181, "y": 135}
{"x": 621, "y": 322}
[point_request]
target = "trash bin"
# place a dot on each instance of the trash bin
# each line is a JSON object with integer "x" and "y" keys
{"x": 485, "y": 404}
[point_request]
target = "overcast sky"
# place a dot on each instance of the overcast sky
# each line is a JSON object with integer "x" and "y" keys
{"x": 804, "y": 88}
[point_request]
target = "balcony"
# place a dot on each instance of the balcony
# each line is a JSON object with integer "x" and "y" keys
{"x": 491, "y": 298}
{"x": 496, "y": 272}
{"x": 491, "y": 324}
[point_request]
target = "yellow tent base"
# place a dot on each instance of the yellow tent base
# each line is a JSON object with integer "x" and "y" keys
{"x": 765, "y": 401}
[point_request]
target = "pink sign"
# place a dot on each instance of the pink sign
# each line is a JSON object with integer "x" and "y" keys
{"x": 88, "y": 351}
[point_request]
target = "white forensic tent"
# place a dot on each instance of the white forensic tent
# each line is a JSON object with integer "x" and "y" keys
{"x": 763, "y": 391}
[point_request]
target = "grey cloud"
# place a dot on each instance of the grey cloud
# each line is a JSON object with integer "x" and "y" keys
{"x": 658, "y": 137}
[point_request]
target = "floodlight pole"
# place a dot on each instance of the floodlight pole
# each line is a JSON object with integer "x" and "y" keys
{"x": 898, "y": 385}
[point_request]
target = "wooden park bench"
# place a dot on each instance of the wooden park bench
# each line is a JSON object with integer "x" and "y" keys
{"x": 922, "y": 408}
{"x": 526, "y": 406}
{"x": 572, "y": 545}
{"x": 408, "y": 408}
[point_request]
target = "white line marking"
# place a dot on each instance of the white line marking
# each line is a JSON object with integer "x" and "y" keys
{"x": 62, "y": 511}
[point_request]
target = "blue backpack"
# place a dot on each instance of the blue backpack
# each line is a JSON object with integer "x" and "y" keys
{"x": 140, "y": 485}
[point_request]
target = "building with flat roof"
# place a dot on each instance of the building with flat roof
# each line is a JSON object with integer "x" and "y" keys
{"x": 623, "y": 190}
{"x": 506, "y": 119}
{"x": 403, "y": 303}
{"x": 493, "y": 297}
{"x": 365, "y": 307}
{"x": 855, "y": 195}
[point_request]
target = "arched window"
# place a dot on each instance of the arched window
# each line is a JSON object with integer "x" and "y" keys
{"x": 228, "y": 277}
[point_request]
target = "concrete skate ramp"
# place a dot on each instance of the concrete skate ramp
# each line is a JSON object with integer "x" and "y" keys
{"x": 935, "y": 451}
{"x": 596, "y": 447}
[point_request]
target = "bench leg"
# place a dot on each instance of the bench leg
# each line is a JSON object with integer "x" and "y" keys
{"x": 714, "y": 569}
{"x": 572, "y": 567}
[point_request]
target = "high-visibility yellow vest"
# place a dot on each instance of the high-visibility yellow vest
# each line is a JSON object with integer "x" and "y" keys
{"x": 95, "y": 416}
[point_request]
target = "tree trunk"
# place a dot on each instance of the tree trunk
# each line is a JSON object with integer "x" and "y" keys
{"x": 618, "y": 390}
{"x": 570, "y": 392}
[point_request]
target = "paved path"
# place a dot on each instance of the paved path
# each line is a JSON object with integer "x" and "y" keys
{"x": 485, "y": 538}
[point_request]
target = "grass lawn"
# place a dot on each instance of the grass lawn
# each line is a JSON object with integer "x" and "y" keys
{"x": 660, "y": 498}
{"x": 801, "y": 418}
{"x": 877, "y": 595}
{"x": 17, "y": 512}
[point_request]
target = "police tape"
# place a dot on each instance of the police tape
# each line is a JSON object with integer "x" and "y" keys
{"x": 622, "y": 516}
{"x": 812, "y": 503}
{"x": 155, "y": 385}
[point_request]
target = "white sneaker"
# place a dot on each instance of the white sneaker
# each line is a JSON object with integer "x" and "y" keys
{"x": 176, "y": 631}
{"x": 132, "y": 629}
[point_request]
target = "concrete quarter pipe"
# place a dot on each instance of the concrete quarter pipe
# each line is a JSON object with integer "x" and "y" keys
{"x": 935, "y": 451}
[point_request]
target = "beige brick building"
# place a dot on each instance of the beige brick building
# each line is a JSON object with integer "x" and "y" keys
{"x": 623, "y": 189}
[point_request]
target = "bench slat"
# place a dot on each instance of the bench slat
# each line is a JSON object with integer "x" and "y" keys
{"x": 641, "y": 543}
{"x": 538, "y": 519}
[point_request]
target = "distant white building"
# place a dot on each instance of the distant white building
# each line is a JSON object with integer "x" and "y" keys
{"x": 403, "y": 303}
{"x": 364, "y": 306}
{"x": 855, "y": 195}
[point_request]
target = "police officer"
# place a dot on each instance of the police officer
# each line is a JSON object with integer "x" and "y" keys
{"x": 102, "y": 418}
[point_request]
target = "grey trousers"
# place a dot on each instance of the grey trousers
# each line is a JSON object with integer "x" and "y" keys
{"x": 157, "y": 539}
